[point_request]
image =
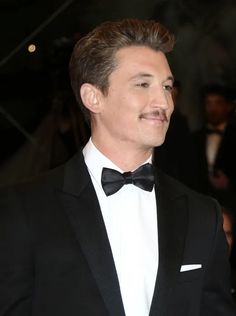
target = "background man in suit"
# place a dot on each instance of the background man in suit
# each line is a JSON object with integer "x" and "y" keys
{"x": 215, "y": 142}
{"x": 77, "y": 242}
{"x": 215, "y": 145}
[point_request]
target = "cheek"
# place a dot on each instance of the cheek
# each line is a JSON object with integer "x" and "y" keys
{"x": 170, "y": 103}
{"x": 126, "y": 108}
{"x": 120, "y": 117}
{"x": 171, "y": 107}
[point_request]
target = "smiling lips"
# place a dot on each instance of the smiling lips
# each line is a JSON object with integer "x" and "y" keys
{"x": 155, "y": 115}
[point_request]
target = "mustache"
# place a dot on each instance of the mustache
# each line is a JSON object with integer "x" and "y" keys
{"x": 160, "y": 114}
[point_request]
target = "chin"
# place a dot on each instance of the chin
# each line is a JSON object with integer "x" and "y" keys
{"x": 157, "y": 142}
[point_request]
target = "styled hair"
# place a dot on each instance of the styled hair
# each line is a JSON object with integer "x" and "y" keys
{"x": 93, "y": 56}
{"x": 221, "y": 90}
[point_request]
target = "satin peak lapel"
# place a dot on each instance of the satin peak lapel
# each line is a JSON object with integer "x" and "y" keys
{"x": 82, "y": 207}
{"x": 172, "y": 215}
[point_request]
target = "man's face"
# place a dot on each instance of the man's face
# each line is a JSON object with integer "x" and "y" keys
{"x": 217, "y": 109}
{"x": 136, "y": 111}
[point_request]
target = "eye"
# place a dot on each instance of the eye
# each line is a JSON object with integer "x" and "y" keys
{"x": 168, "y": 87}
{"x": 143, "y": 84}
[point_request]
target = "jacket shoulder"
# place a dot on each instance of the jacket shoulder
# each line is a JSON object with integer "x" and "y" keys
{"x": 196, "y": 200}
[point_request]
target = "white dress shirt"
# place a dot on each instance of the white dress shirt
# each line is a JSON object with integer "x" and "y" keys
{"x": 130, "y": 217}
{"x": 212, "y": 145}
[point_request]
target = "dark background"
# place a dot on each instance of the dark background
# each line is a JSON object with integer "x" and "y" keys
{"x": 205, "y": 52}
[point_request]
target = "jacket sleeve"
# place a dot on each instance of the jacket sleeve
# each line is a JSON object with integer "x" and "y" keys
{"x": 217, "y": 299}
{"x": 16, "y": 268}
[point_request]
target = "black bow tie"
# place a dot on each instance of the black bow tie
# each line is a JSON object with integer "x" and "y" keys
{"x": 113, "y": 180}
{"x": 214, "y": 131}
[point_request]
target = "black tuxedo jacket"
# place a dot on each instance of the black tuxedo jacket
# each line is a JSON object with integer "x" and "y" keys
{"x": 225, "y": 158}
{"x": 56, "y": 260}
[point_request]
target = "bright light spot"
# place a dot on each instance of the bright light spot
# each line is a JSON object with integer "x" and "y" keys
{"x": 31, "y": 48}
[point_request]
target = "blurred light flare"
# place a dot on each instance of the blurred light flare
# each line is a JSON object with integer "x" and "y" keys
{"x": 32, "y": 48}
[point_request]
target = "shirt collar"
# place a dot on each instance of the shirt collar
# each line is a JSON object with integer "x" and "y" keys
{"x": 96, "y": 161}
{"x": 221, "y": 127}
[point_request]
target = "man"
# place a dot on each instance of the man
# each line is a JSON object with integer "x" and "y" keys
{"x": 215, "y": 142}
{"x": 77, "y": 242}
{"x": 215, "y": 146}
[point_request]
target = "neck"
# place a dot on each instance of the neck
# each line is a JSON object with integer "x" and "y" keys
{"x": 123, "y": 156}
{"x": 218, "y": 125}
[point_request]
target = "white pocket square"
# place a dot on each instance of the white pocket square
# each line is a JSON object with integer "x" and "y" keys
{"x": 189, "y": 267}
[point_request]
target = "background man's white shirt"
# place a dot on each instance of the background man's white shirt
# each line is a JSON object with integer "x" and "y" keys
{"x": 212, "y": 146}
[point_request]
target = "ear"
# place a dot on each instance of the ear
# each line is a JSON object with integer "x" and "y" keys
{"x": 90, "y": 97}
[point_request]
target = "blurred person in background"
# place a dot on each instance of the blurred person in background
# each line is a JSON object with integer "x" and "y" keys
{"x": 228, "y": 224}
{"x": 215, "y": 145}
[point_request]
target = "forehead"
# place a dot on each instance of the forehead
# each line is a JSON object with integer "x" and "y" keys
{"x": 134, "y": 59}
{"x": 214, "y": 97}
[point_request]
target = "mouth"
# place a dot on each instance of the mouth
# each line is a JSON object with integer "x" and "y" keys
{"x": 158, "y": 115}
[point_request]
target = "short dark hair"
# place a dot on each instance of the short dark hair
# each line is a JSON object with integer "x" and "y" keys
{"x": 220, "y": 90}
{"x": 93, "y": 61}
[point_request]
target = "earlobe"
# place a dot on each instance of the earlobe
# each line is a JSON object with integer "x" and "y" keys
{"x": 90, "y": 98}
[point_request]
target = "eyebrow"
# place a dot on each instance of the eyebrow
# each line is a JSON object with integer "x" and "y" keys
{"x": 147, "y": 75}
{"x": 171, "y": 78}
{"x": 141, "y": 75}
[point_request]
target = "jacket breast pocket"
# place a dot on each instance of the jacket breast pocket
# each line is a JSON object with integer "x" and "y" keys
{"x": 189, "y": 276}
